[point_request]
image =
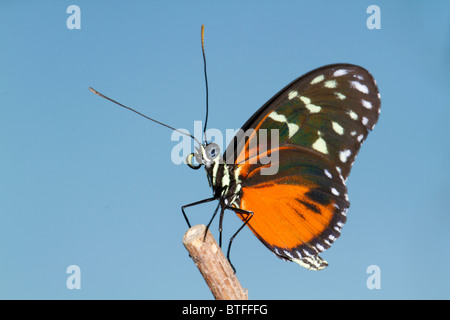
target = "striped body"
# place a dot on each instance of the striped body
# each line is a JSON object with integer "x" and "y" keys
{"x": 225, "y": 182}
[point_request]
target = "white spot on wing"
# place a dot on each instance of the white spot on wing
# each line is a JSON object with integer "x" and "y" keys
{"x": 288, "y": 254}
{"x": 277, "y": 117}
{"x": 305, "y": 100}
{"x": 293, "y": 128}
{"x": 313, "y": 108}
{"x": 320, "y": 145}
{"x": 340, "y": 174}
{"x": 340, "y": 95}
{"x": 359, "y": 86}
{"x": 311, "y": 263}
{"x": 330, "y": 84}
{"x": 337, "y": 127}
{"x": 343, "y": 155}
{"x": 335, "y": 192}
{"x": 360, "y": 137}
{"x": 365, "y": 121}
{"x": 340, "y": 72}
{"x": 366, "y": 104}
{"x": 352, "y": 115}
{"x": 292, "y": 94}
{"x": 317, "y": 79}
{"x": 306, "y": 254}
{"x": 327, "y": 173}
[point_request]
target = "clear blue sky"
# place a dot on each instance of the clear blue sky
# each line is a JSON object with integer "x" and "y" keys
{"x": 83, "y": 182}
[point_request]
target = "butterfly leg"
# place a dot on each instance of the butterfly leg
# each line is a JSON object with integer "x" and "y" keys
{"x": 249, "y": 216}
{"x": 194, "y": 204}
{"x": 221, "y": 225}
{"x": 210, "y": 221}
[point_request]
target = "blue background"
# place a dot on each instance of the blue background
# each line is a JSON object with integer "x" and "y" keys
{"x": 87, "y": 183}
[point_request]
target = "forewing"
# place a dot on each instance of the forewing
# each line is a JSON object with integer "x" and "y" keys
{"x": 329, "y": 110}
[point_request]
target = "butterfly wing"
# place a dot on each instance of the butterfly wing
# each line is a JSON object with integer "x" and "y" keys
{"x": 321, "y": 120}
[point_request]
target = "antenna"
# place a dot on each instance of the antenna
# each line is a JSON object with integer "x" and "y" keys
{"x": 142, "y": 115}
{"x": 206, "y": 78}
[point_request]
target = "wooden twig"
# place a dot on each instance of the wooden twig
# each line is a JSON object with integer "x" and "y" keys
{"x": 213, "y": 265}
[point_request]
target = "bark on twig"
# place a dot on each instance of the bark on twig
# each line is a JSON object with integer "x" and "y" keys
{"x": 213, "y": 265}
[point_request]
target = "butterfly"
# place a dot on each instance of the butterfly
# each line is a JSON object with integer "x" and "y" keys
{"x": 284, "y": 173}
{"x": 299, "y": 209}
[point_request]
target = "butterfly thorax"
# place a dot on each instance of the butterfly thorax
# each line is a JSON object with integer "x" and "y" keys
{"x": 225, "y": 182}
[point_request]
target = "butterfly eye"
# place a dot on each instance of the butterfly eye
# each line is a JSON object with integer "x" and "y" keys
{"x": 212, "y": 151}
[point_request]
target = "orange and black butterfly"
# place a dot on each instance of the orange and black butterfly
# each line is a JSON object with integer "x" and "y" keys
{"x": 321, "y": 119}
{"x": 311, "y": 130}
